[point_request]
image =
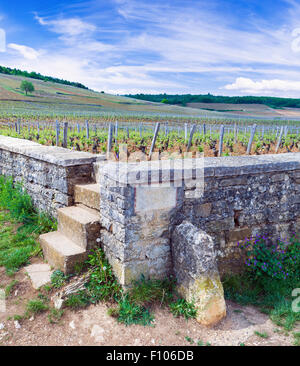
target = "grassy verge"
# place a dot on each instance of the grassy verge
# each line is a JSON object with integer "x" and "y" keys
{"x": 272, "y": 273}
{"x": 131, "y": 307}
{"x": 20, "y": 226}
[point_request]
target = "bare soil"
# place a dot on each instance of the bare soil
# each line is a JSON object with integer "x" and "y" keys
{"x": 92, "y": 325}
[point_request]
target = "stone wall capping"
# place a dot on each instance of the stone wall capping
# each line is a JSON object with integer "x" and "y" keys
{"x": 50, "y": 154}
{"x": 161, "y": 171}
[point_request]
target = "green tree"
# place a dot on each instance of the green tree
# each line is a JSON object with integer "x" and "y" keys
{"x": 165, "y": 100}
{"x": 27, "y": 86}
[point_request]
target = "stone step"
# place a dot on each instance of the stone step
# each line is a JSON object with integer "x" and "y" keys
{"x": 60, "y": 252}
{"x": 79, "y": 224}
{"x": 88, "y": 195}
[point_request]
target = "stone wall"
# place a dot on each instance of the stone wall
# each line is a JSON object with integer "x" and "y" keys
{"x": 241, "y": 197}
{"x": 48, "y": 173}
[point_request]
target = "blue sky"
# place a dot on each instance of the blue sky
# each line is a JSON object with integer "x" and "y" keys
{"x": 174, "y": 46}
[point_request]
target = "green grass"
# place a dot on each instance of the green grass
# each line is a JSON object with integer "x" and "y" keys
{"x": 132, "y": 307}
{"x": 36, "y": 306}
{"x": 297, "y": 339}
{"x": 262, "y": 335}
{"x": 55, "y": 315}
{"x": 20, "y": 226}
{"x": 146, "y": 292}
{"x": 183, "y": 308}
{"x": 9, "y": 288}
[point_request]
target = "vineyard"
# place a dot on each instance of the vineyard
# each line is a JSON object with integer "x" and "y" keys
{"x": 211, "y": 139}
{"x": 84, "y": 120}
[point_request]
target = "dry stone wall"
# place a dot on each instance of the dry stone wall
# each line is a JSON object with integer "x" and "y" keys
{"x": 241, "y": 197}
{"x": 48, "y": 173}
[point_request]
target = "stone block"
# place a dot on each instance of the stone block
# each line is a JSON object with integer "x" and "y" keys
{"x": 195, "y": 268}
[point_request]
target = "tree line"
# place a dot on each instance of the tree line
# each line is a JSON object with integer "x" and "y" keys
{"x": 38, "y": 76}
{"x": 184, "y": 99}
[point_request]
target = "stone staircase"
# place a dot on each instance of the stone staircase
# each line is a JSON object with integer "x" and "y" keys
{"x": 78, "y": 229}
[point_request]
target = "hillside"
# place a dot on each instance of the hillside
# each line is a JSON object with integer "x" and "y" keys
{"x": 248, "y": 106}
{"x": 56, "y": 98}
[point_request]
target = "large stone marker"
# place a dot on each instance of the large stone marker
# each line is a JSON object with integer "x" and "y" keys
{"x": 195, "y": 268}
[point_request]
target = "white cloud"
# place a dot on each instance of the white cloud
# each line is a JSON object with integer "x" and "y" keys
{"x": 274, "y": 86}
{"x": 67, "y": 26}
{"x": 27, "y": 52}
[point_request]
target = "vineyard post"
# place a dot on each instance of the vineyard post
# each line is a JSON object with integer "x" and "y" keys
{"x": 221, "y": 140}
{"x": 109, "y": 138}
{"x": 78, "y": 128}
{"x": 116, "y": 129}
{"x": 191, "y": 137}
{"x": 251, "y": 139}
{"x": 185, "y": 131}
{"x": 154, "y": 138}
{"x": 127, "y": 130}
{"x": 87, "y": 129}
{"x": 57, "y": 133}
{"x": 204, "y": 129}
{"x": 285, "y": 131}
{"x": 140, "y": 130}
{"x": 65, "y": 135}
{"x": 38, "y": 128}
{"x": 19, "y": 126}
{"x": 166, "y": 129}
{"x": 235, "y": 133}
{"x": 279, "y": 140}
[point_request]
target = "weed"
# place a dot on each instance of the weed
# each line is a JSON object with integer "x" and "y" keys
{"x": 146, "y": 292}
{"x": 113, "y": 312}
{"x": 183, "y": 308}
{"x": 58, "y": 279}
{"x": 36, "y": 306}
{"x": 9, "y": 288}
{"x": 102, "y": 285}
{"x": 260, "y": 287}
{"x": 189, "y": 339}
{"x": 18, "y": 317}
{"x": 296, "y": 339}
{"x": 262, "y": 335}
{"x": 55, "y": 315}
{"x": 77, "y": 301}
{"x": 130, "y": 313}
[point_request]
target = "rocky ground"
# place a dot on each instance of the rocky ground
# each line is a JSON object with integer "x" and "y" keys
{"x": 92, "y": 326}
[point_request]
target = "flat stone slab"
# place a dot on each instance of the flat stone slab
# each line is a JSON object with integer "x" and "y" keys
{"x": 51, "y": 154}
{"x": 40, "y": 274}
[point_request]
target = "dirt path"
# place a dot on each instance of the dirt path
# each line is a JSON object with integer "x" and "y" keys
{"x": 92, "y": 326}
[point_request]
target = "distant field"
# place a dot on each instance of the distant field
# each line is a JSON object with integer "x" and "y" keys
{"x": 253, "y": 110}
{"x": 57, "y": 98}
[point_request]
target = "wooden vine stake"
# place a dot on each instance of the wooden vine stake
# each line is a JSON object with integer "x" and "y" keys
{"x": 87, "y": 129}
{"x": 193, "y": 129}
{"x": 65, "y": 135}
{"x": 235, "y": 133}
{"x": 154, "y": 138}
{"x": 221, "y": 140}
{"x": 109, "y": 138}
{"x": 251, "y": 139}
{"x": 185, "y": 131}
{"x": 57, "y": 133}
{"x": 279, "y": 140}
